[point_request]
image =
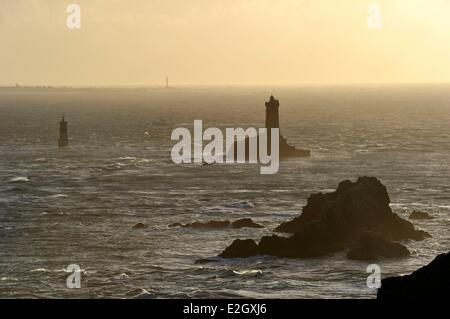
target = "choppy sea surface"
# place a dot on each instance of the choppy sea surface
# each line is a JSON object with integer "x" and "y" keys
{"x": 78, "y": 205}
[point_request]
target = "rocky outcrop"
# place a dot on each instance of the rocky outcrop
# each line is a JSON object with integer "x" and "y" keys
{"x": 220, "y": 224}
{"x": 285, "y": 149}
{"x": 355, "y": 207}
{"x": 334, "y": 221}
{"x": 371, "y": 245}
{"x": 420, "y": 215}
{"x": 240, "y": 249}
{"x": 306, "y": 244}
{"x": 429, "y": 282}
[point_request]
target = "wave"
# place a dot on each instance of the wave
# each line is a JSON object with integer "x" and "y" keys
{"x": 58, "y": 196}
{"x": 242, "y": 205}
{"x": 252, "y": 272}
{"x": 62, "y": 271}
{"x": 40, "y": 270}
{"x": 19, "y": 179}
{"x": 127, "y": 158}
{"x": 140, "y": 293}
{"x": 8, "y": 279}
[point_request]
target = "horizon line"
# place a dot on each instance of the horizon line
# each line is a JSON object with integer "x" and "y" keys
{"x": 187, "y": 86}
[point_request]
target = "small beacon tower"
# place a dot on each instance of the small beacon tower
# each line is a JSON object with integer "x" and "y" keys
{"x": 63, "y": 135}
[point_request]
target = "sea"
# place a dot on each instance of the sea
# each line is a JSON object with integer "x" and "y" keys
{"x": 78, "y": 205}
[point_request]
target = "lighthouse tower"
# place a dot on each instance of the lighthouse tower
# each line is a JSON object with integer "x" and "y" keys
{"x": 272, "y": 119}
{"x": 63, "y": 135}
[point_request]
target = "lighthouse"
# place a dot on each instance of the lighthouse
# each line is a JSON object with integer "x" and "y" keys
{"x": 273, "y": 121}
{"x": 63, "y": 135}
{"x": 272, "y": 118}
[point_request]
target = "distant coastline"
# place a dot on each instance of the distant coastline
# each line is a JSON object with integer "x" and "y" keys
{"x": 78, "y": 88}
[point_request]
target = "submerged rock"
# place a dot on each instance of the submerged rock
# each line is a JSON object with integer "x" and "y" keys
{"x": 139, "y": 226}
{"x": 220, "y": 224}
{"x": 429, "y": 282}
{"x": 245, "y": 223}
{"x": 207, "y": 260}
{"x": 333, "y": 221}
{"x": 420, "y": 215}
{"x": 371, "y": 245}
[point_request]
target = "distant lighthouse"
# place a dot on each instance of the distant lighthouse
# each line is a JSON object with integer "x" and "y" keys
{"x": 63, "y": 135}
{"x": 272, "y": 117}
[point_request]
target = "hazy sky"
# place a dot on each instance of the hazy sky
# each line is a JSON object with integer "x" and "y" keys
{"x": 223, "y": 42}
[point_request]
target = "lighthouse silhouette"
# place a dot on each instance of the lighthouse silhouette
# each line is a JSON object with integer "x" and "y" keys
{"x": 63, "y": 135}
{"x": 272, "y": 118}
{"x": 273, "y": 121}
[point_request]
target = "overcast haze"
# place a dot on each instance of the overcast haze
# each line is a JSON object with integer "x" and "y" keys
{"x": 222, "y": 42}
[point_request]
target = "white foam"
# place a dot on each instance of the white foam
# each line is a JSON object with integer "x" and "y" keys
{"x": 40, "y": 270}
{"x": 58, "y": 196}
{"x": 19, "y": 179}
{"x": 248, "y": 272}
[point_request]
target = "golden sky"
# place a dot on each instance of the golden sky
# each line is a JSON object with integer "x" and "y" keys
{"x": 223, "y": 42}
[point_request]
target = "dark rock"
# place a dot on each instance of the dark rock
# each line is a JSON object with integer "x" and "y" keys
{"x": 139, "y": 226}
{"x": 309, "y": 243}
{"x": 420, "y": 215}
{"x": 360, "y": 253}
{"x": 333, "y": 221}
{"x": 240, "y": 249}
{"x": 285, "y": 149}
{"x": 355, "y": 207}
{"x": 245, "y": 223}
{"x": 429, "y": 282}
{"x": 372, "y": 245}
{"x": 175, "y": 225}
